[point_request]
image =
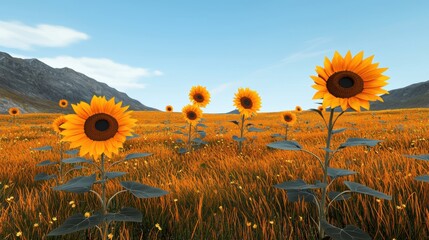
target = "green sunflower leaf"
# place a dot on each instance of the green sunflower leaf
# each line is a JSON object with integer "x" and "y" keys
{"x": 237, "y": 139}
{"x": 72, "y": 152}
{"x": 359, "y": 188}
{"x": 46, "y": 163}
{"x": 298, "y": 184}
{"x": 76, "y": 223}
{"x": 235, "y": 122}
{"x": 350, "y": 232}
{"x": 340, "y": 130}
{"x": 44, "y": 176}
{"x": 143, "y": 191}
{"x": 339, "y": 196}
{"x": 254, "y": 129}
{"x": 423, "y": 178}
{"x": 111, "y": 175}
{"x": 285, "y": 145}
{"x": 77, "y": 185}
{"x": 44, "y": 148}
{"x": 126, "y": 214}
{"x": 424, "y": 157}
{"x": 76, "y": 160}
{"x": 351, "y": 142}
{"x": 132, "y": 136}
{"x": 136, "y": 155}
{"x": 336, "y": 172}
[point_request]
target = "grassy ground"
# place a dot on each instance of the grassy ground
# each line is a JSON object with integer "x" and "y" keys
{"x": 215, "y": 193}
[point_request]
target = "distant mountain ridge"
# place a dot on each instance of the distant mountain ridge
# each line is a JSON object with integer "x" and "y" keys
{"x": 33, "y": 86}
{"x": 412, "y": 96}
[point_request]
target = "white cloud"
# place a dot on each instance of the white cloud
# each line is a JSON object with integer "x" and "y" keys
{"x": 20, "y": 36}
{"x": 117, "y": 75}
{"x": 222, "y": 87}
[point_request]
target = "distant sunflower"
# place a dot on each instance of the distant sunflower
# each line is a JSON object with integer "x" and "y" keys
{"x": 56, "y": 125}
{"x": 288, "y": 117}
{"x": 98, "y": 128}
{"x": 247, "y": 101}
{"x": 192, "y": 113}
{"x": 349, "y": 82}
{"x": 14, "y": 111}
{"x": 321, "y": 108}
{"x": 63, "y": 103}
{"x": 169, "y": 108}
{"x": 298, "y": 109}
{"x": 199, "y": 96}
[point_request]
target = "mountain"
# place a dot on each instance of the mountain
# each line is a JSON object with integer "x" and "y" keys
{"x": 412, "y": 96}
{"x": 33, "y": 86}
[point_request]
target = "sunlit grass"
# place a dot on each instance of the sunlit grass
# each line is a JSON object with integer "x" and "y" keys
{"x": 217, "y": 194}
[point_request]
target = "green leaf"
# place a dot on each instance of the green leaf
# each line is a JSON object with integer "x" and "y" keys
{"x": 277, "y": 135}
{"x": 72, "y": 152}
{"x": 237, "y": 139}
{"x": 423, "y": 178}
{"x": 179, "y": 141}
{"x": 143, "y": 191}
{"x": 44, "y": 176}
{"x": 198, "y": 141}
{"x": 338, "y": 130}
{"x": 46, "y": 163}
{"x": 297, "y": 195}
{"x": 126, "y": 214}
{"x": 298, "y": 184}
{"x": 182, "y": 150}
{"x": 136, "y": 155}
{"x": 350, "y": 232}
{"x": 253, "y": 129}
{"x": 202, "y": 134}
{"x": 132, "y": 136}
{"x": 285, "y": 145}
{"x": 76, "y": 223}
{"x": 178, "y": 132}
{"x": 77, "y": 185}
{"x": 111, "y": 175}
{"x": 76, "y": 160}
{"x": 235, "y": 122}
{"x": 201, "y": 125}
{"x": 351, "y": 142}
{"x": 342, "y": 197}
{"x": 44, "y": 148}
{"x": 336, "y": 172}
{"x": 359, "y": 188}
{"x": 419, "y": 157}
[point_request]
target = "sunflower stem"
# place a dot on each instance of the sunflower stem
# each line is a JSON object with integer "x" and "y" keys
{"x": 105, "y": 225}
{"x": 60, "y": 170}
{"x": 189, "y": 137}
{"x": 240, "y": 143}
{"x": 323, "y": 207}
{"x": 286, "y": 128}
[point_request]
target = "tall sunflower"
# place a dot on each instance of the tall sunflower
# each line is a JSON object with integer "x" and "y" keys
{"x": 14, "y": 111}
{"x": 100, "y": 127}
{"x": 349, "y": 82}
{"x": 247, "y": 101}
{"x": 298, "y": 108}
{"x": 192, "y": 113}
{"x": 169, "y": 108}
{"x": 199, "y": 96}
{"x": 57, "y": 124}
{"x": 288, "y": 118}
{"x": 63, "y": 103}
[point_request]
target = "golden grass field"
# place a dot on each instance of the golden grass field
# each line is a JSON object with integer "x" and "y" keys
{"x": 214, "y": 193}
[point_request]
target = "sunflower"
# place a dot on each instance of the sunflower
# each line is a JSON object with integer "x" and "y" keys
{"x": 288, "y": 117}
{"x": 63, "y": 103}
{"x": 14, "y": 111}
{"x": 169, "y": 108}
{"x": 349, "y": 82}
{"x": 192, "y": 113}
{"x": 321, "y": 108}
{"x": 298, "y": 109}
{"x": 247, "y": 101}
{"x": 199, "y": 96}
{"x": 98, "y": 128}
{"x": 56, "y": 125}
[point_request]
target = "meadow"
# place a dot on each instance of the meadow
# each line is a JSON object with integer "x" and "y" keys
{"x": 215, "y": 193}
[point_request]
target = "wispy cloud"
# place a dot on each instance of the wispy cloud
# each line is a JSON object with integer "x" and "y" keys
{"x": 20, "y": 36}
{"x": 222, "y": 87}
{"x": 117, "y": 75}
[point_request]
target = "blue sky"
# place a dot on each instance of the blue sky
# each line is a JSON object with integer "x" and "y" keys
{"x": 155, "y": 51}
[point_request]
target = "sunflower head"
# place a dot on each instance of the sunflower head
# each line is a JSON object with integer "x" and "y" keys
{"x": 349, "y": 82}
{"x": 14, "y": 111}
{"x": 288, "y": 117}
{"x": 63, "y": 103}
{"x": 247, "y": 101}
{"x": 169, "y": 108}
{"x": 100, "y": 127}
{"x": 298, "y": 109}
{"x": 192, "y": 113}
{"x": 56, "y": 125}
{"x": 321, "y": 108}
{"x": 199, "y": 96}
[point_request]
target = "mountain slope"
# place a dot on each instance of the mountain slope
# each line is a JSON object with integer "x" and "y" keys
{"x": 34, "y": 86}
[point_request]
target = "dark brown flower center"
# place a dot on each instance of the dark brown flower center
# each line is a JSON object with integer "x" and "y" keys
{"x": 345, "y": 84}
{"x": 14, "y": 112}
{"x": 287, "y": 118}
{"x": 101, "y": 127}
{"x": 63, "y": 103}
{"x": 199, "y": 97}
{"x": 169, "y": 109}
{"x": 246, "y": 102}
{"x": 191, "y": 115}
